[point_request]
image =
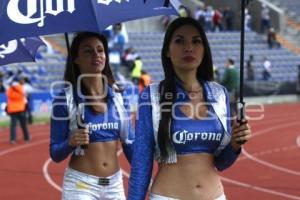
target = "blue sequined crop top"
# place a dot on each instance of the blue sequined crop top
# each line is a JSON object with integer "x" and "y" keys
{"x": 195, "y": 136}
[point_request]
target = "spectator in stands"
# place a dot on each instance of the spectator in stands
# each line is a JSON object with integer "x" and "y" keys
{"x": 145, "y": 80}
{"x": 267, "y": 68}
{"x": 117, "y": 49}
{"x": 16, "y": 108}
{"x": 248, "y": 20}
{"x": 217, "y": 20}
{"x": 228, "y": 16}
{"x": 250, "y": 68}
{"x": 188, "y": 99}
{"x": 272, "y": 39}
{"x": 118, "y": 37}
{"x": 231, "y": 82}
{"x": 217, "y": 76}
{"x": 136, "y": 70}
{"x": 165, "y": 20}
{"x": 200, "y": 16}
{"x": 208, "y": 13}
{"x": 94, "y": 172}
{"x": 128, "y": 59}
{"x": 183, "y": 11}
{"x": 1, "y": 76}
{"x": 265, "y": 19}
{"x": 28, "y": 90}
{"x": 2, "y": 88}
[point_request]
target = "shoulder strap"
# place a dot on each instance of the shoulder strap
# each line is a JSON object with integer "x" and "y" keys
{"x": 119, "y": 103}
{"x": 154, "y": 96}
{"x": 156, "y": 115}
{"x": 221, "y": 110}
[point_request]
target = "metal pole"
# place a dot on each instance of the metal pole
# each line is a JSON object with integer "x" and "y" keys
{"x": 241, "y": 104}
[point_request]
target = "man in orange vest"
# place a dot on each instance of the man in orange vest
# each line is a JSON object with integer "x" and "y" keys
{"x": 145, "y": 80}
{"x": 16, "y": 108}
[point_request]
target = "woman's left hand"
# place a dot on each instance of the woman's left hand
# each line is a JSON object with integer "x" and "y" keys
{"x": 241, "y": 133}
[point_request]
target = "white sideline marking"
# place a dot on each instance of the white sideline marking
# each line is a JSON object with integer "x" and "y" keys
{"x": 270, "y": 151}
{"x": 298, "y": 141}
{"x": 261, "y": 189}
{"x": 274, "y": 128}
{"x": 48, "y": 177}
{"x": 57, "y": 187}
{"x": 242, "y": 184}
{"x": 23, "y": 146}
{"x": 248, "y": 155}
{"x": 283, "y": 169}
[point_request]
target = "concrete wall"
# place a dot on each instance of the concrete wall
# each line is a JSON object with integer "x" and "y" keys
{"x": 153, "y": 24}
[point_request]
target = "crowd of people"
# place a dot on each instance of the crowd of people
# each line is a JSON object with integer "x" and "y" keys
{"x": 99, "y": 117}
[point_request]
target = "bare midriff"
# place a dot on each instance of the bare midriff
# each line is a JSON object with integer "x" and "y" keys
{"x": 193, "y": 177}
{"x": 100, "y": 159}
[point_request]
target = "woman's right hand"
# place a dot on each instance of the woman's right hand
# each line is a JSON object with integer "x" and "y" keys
{"x": 79, "y": 137}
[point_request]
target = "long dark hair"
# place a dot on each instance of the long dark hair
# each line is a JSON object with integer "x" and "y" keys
{"x": 72, "y": 71}
{"x": 167, "y": 86}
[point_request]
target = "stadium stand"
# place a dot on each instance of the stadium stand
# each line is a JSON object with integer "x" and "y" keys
{"x": 223, "y": 45}
{"x": 50, "y": 66}
{"x": 292, "y": 6}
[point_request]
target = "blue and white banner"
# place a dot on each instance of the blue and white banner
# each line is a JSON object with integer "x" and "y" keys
{"x": 26, "y": 18}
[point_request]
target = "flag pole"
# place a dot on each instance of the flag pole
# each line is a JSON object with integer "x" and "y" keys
{"x": 241, "y": 103}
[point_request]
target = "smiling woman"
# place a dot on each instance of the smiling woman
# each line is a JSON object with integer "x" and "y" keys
{"x": 103, "y": 120}
{"x": 91, "y": 56}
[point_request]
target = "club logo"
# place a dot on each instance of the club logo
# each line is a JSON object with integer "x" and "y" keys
{"x": 182, "y": 137}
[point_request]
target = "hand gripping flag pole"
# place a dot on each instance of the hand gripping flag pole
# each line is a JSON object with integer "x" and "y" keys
{"x": 241, "y": 103}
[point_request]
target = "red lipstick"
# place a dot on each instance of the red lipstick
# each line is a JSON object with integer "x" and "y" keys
{"x": 188, "y": 58}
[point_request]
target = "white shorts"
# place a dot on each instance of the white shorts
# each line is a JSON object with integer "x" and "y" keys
{"x": 159, "y": 197}
{"x": 81, "y": 186}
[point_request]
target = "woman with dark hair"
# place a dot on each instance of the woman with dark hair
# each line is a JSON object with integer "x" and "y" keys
{"x": 184, "y": 123}
{"x": 90, "y": 111}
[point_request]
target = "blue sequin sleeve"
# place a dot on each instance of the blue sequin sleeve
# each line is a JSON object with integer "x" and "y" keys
{"x": 143, "y": 154}
{"x": 128, "y": 147}
{"x": 59, "y": 131}
{"x": 228, "y": 155}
